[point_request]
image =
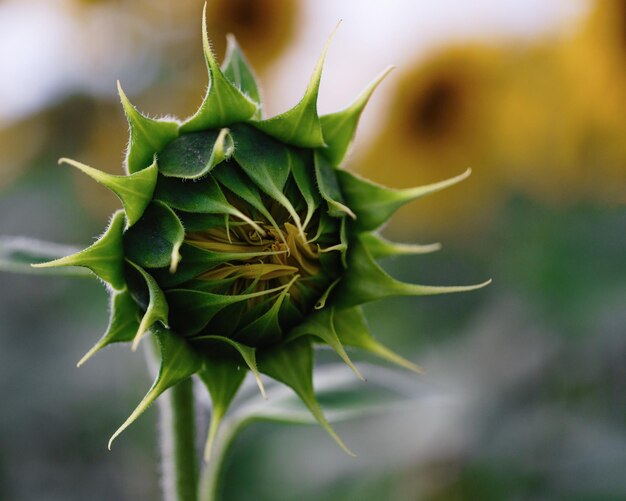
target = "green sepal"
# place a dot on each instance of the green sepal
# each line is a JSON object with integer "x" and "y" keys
{"x": 154, "y": 242}
{"x": 374, "y": 204}
{"x": 365, "y": 281}
{"x": 231, "y": 176}
{"x": 157, "y": 310}
{"x": 123, "y": 323}
{"x": 193, "y": 221}
{"x": 379, "y": 247}
{"x": 202, "y": 196}
{"x": 179, "y": 361}
{"x": 237, "y": 69}
{"x": 352, "y": 330}
{"x": 267, "y": 162}
{"x": 321, "y": 302}
{"x": 321, "y": 325}
{"x": 329, "y": 187}
{"x": 292, "y": 364}
{"x": 266, "y": 326}
{"x": 147, "y": 136}
{"x": 193, "y": 155}
{"x": 105, "y": 257}
{"x": 192, "y": 309}
{"x": 135, "y": 190}
{"x": 300, "y": 126}
{"x": 304, "y": 178}
{"x": 222, "y": 377}
{"x": 224, "y": 104}
{"x": 339, "y": 127}
{"x": 247, "y": 354}
{"x": 18, "y": 254}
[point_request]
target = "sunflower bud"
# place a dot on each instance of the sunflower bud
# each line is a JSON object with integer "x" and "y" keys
{"x": 241, "y": 243}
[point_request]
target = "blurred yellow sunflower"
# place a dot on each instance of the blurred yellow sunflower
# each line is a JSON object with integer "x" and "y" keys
{"x": 438, "y": 123}
{"x": 562, "y": 117}
{"x": 264, "y": 28}
{"x": 594, "y": 61}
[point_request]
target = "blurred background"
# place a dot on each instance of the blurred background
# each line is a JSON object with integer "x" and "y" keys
{"x": 524, "y": 394}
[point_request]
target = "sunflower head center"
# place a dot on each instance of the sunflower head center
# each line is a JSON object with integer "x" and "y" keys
{"x": 263, "y": 258}
{"x": 437, "y": 110}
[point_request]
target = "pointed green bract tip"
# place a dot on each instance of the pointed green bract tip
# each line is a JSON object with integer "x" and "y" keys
{"x": 147, "y": 136}
{"x": 123, "y": 323}
{"x": 292, "y": 364}
{"x": 353, "y": 331}
{"x": 374, "y": 204}
{"x": 339, "y": 128}
{"x": 301, "y": 126}
{"x": 105, "y": 257}
{"x": 237, "y": 69}
{"x": 178, "y": 362}
{"x": 135, "y": 191}
{"x": 158, "y": 307}
{"x": 380, "y": 247}
{"x": 365, "y": 281}
{"x": 224, "y": 103}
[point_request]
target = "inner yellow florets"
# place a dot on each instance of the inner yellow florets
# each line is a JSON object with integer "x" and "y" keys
{"x": 289, "y": 257}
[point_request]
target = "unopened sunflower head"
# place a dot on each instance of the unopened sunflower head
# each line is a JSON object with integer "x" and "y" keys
{"x": 242, "y": 244}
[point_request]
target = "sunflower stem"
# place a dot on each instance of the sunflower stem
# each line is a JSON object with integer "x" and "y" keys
{"x": 213, "y": 471}
{"x": 178, "y": 446}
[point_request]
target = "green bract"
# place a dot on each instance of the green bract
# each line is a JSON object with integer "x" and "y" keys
{"x": 242, "y": 244}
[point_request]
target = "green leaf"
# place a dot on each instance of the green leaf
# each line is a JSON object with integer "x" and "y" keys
{"x": 147, "y": 136}
{"x": 154, "y": 242}
{"x": 157, "y": 310}
{"x": 224, "y": 103}
{"x": 179, "y": 361}
{"x": 380, "y": 247}
{"x": 17, "y": 254}
{"x": 366, "y": 281}
{"x": 237, "y": 69}
{"x": 203, "y": 195}
{"x": 222, "y": 377}
{"x": 123, "y": 323}
{"x": 339, "y": 128}
{"x": 267, "y": 162}
{"x": 200, "y": 222}
{"x": 192, "y": 310}
{"x": 300, "y": 126}
{"x": 105, "y": 257}
{"x": 321, "y": 325}
{"x": 292, "y": 364}
{"x": 374, "y": 204}
{"x": 352, "y": 330}
{"x": 330, "y": 190}
{"x": 247, "y": 354}
{"x": 193, "y": 155}
{"x": 135, "y": 191}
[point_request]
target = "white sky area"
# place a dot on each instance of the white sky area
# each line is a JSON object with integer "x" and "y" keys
{"x": 45, "y": 52}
